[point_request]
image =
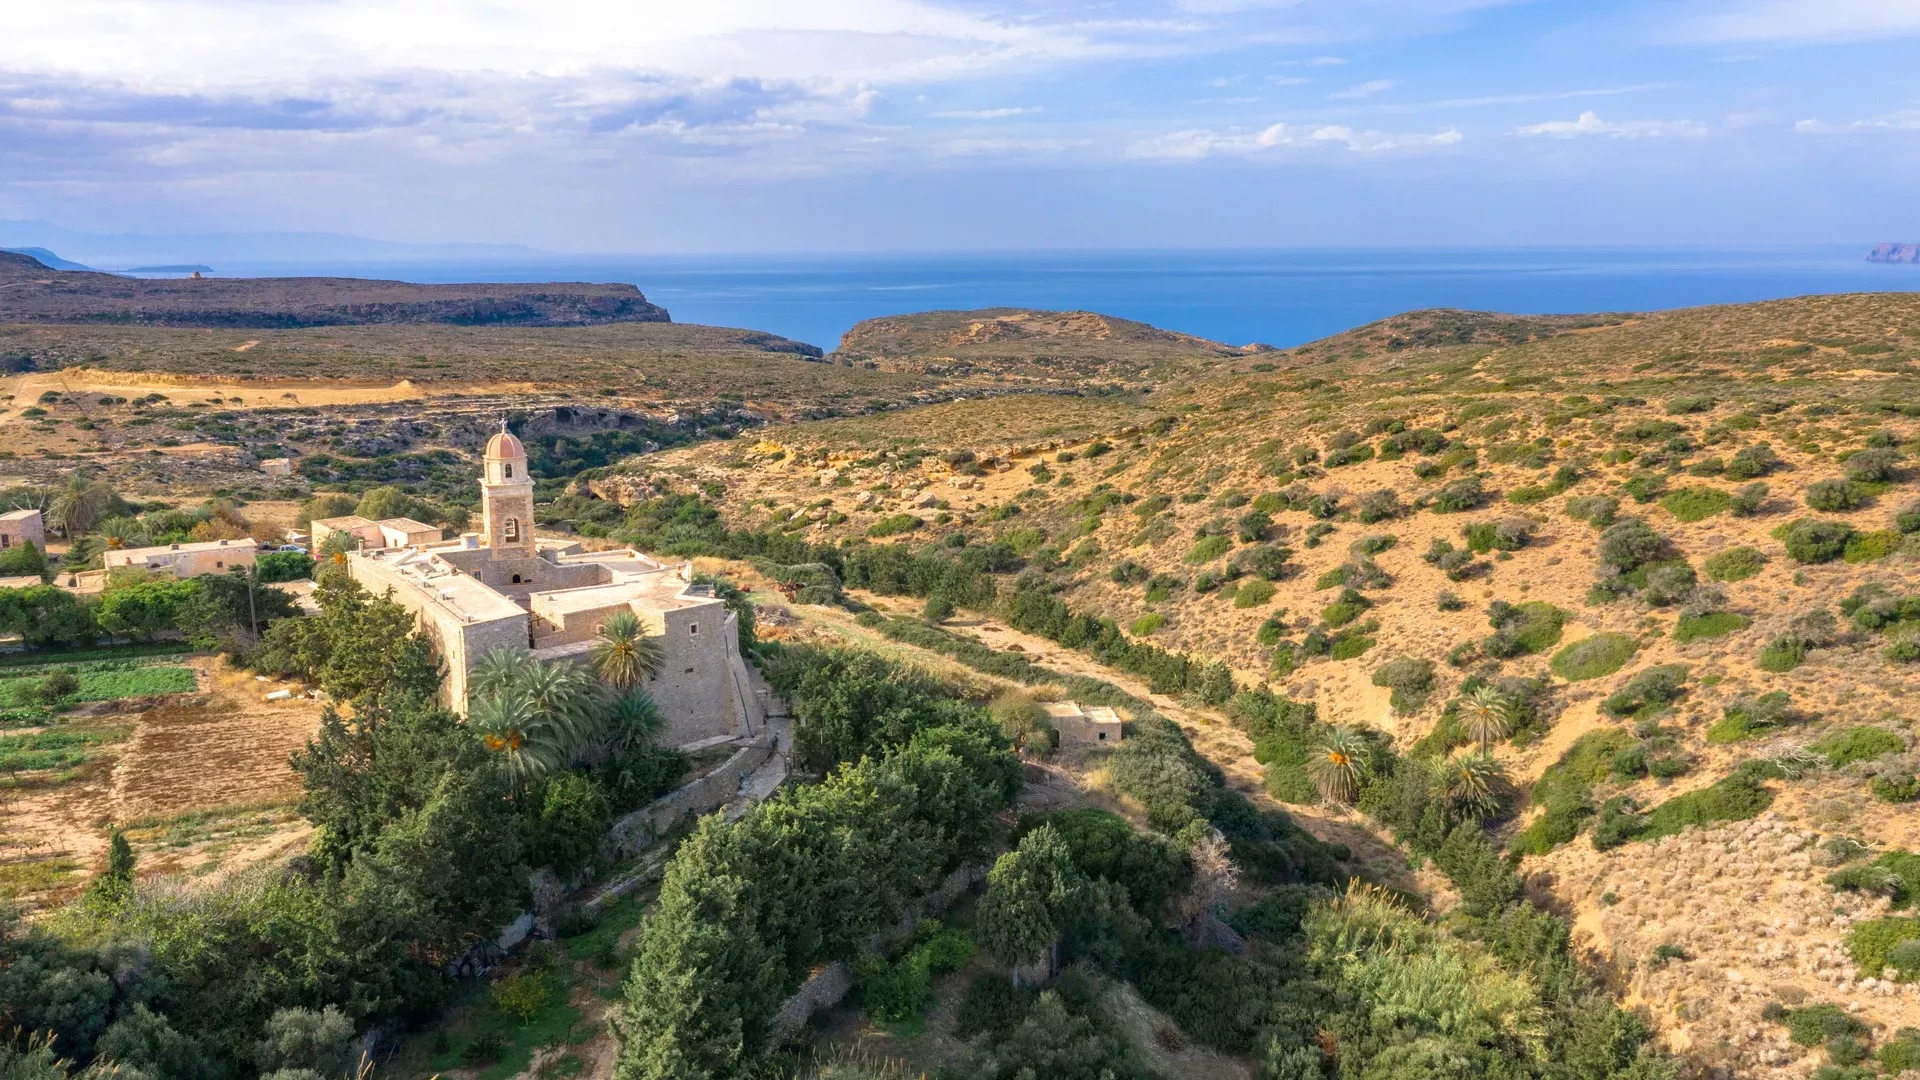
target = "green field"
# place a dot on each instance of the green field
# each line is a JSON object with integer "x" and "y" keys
{"x": 46, "y": 751}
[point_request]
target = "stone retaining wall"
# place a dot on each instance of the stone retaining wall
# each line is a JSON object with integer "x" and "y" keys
{"x": 631, "y": 834}
{"x": 828, "y": 984}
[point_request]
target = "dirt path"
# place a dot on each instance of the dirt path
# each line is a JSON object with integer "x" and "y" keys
{"x": 1212, "y": 735}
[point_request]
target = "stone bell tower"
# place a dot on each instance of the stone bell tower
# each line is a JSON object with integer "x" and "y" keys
{"x": 506, "y": 498}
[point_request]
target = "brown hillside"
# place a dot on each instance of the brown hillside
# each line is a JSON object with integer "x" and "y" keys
{"x": 30, "y": 292}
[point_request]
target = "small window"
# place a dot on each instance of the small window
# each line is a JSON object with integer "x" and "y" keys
{"x": 218, "y": 565}
{"x": 693, "y": 629}
{"x": 516, "y": 579}
{"x": 512, "y": 532}
{"x": 1103, "y": 736}
{"x": 506, "y": 470}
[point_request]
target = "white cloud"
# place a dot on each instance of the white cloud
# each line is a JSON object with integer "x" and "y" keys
{"x": 1236, "y": 142}
{"x": 1802, "y": 20}
{"x": 988, "y": 114}
{"x": 1550, "y": 95}
{"x": 1905, "y": 120}
{"x": 198, "y": 45}
{"x": 1363, "y": 90}
{"x": 1289, "y": 80}
{"x": 1589, "y": 123}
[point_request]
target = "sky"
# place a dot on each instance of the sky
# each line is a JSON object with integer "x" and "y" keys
{"x": 721, "y": 126}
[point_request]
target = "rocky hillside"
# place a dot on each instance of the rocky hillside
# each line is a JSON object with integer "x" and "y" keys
{"x": 31, "y": 292}
{"x": 1682, "y": 549}
{"x": 1046, "y": 347}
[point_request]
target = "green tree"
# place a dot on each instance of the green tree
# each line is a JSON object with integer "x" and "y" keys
{"x": 316, "y": 1039}
{"x": 1032, "y": 895}
{"x": 23, "y": 559}
{"x": 331, "y": 504}
{"x": 114, "y": 884}
{"x": 230, "y": 611}
{"x": 46, "y": 615}
{"x": 144, "y": 609}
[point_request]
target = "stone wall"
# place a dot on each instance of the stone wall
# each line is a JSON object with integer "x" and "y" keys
{"x": 460, "y": 643}
{"x": 632, "y": 833}
{"x": 695, "y": 688}
{"x": 828, "y": 984}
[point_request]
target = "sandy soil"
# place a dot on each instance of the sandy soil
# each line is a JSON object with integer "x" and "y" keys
{"x": 202, "y": 781}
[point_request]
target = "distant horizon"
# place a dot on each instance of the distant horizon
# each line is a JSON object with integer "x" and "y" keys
{"x": 1239, "y": 296}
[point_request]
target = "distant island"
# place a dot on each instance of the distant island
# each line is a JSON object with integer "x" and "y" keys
{"x": 1894, "y": 253}
{"x": 182, "y": 269}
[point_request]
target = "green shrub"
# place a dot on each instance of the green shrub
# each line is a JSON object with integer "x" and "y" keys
{"x": 1908, "y": 519}
{"x": 1648, "y": 693}
{"x": 1461, "y": 495}
{"x": 1696, "y": 503}
{"x": 1749, "y": 500}
{"x": 1748, "y": 716}
{"x": 1253, "y": 593}
{"x": 1735, "y": 564}
{"x": 1147, "y": 624}
{"x": 1350, "y": 646}
{"x": 1524, "y": 629}
{"x": 894, "y": 525}
{"x": 1563, "y": 792}
{"x": 1596, "y": 510}
{"x": 1593, "y": 657}
{"x": 1735, "y": 798}
{"x": 1629, "y": 544}
{"x": 1871, "y": 547}
{"x": 1863, "y": 743}
{"x": 1811, "y": 540}
{"x": 1869, "y": 943}
{"x": 1875, "y": 465}
{"x": 1895, "y": 787}
{"x": 1410, "y": 679}
{"x": 1783, "y": 654}
{"x": 1209, "y": 548}
{"x": 1815, "y": 1024}
{"x": 1346, "y": 609}
{"x": 1753, "y": 462}
{"x": 1835, "y": 496}
{"x": 1711, "y": 625}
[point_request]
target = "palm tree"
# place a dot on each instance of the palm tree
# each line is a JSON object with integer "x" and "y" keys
{"x": 1338, "y": 765}
{"x": 1471, "y": 783}
{"x": 567, "y": 698}
{"x": 509, "y": 726}
{"x": 540, "y": 715}
{"x": 633, "y": 722}
{"x": 499, "y": 671}
{"x": 1486, "y": 714}
{"x": 123, "y": 532}
{"x": 77, "y": 505}
{"x": 624, "y": 654}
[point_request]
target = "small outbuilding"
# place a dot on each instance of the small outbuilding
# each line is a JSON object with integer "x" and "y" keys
{"x": 1097, "y": 725}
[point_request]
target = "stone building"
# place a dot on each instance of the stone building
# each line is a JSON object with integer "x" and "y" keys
{"x": 23, "y": 527}
{"x": 1079, "y": 725}
{"x": 185, "y": 560}
{"x": 502, "y": 588}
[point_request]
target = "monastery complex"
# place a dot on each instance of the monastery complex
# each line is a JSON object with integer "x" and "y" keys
{"x": 502, "y": 588}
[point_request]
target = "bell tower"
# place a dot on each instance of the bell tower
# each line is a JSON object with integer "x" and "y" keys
{"x": 506, "y": 497}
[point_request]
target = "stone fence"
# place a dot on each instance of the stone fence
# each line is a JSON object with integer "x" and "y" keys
{"x": 631, "y": 834}
{"x": 830, "y": 982}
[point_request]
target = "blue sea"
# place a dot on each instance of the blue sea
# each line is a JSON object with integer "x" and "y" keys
{"x": 1278, "y": 297}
